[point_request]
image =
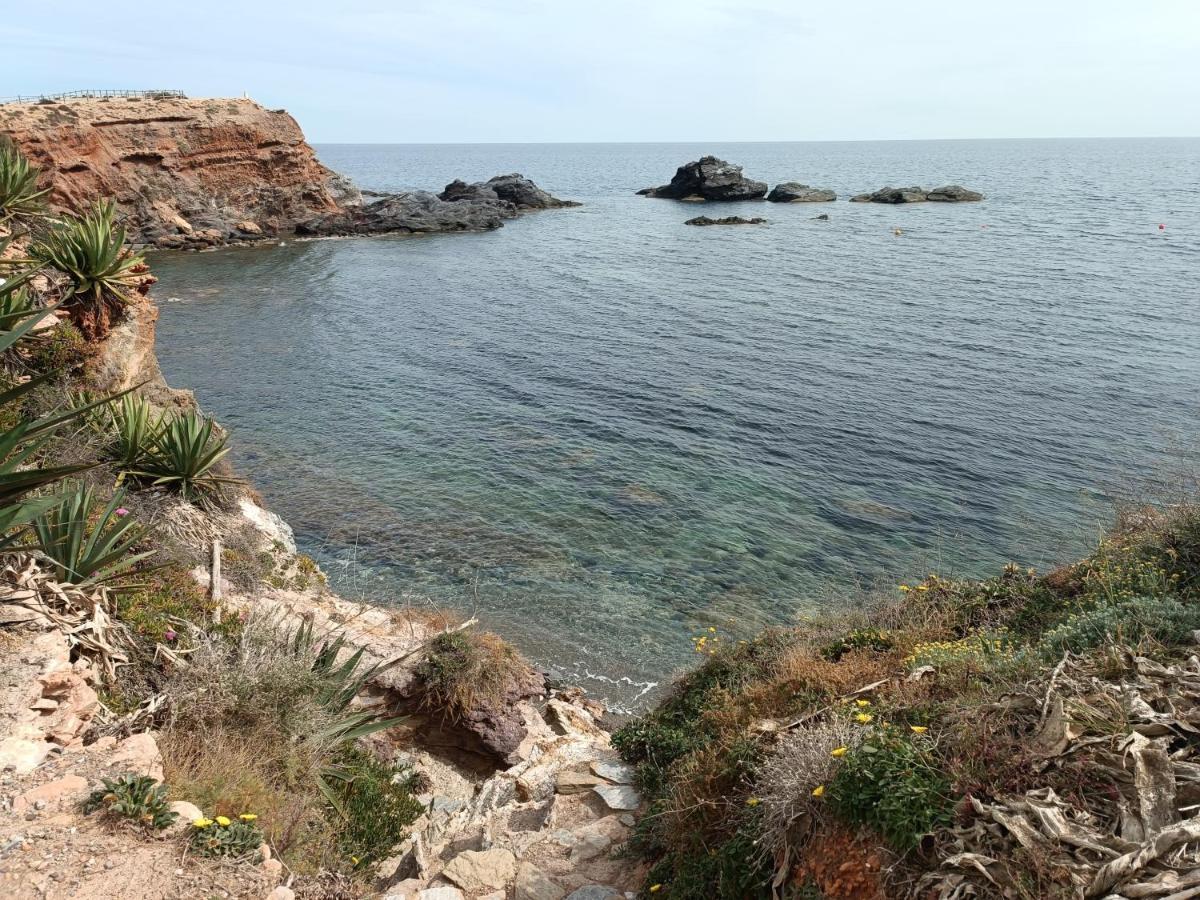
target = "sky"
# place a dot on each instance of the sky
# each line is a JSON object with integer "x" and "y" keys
{"x": 639, "y": 70}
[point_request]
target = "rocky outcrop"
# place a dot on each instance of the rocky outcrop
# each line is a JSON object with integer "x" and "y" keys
{"x": 951, "y": 193}
{"x": 793, "y": 192}
{"x": 416, "y": 212}
{"x": 709, "y": 178}
{"x": 892, "y": 195}
{"x": 191, "y": 171}
{"x": 193, "y": 174}
{"x": 726, "y": 220}
{"x": 514, "y": 189}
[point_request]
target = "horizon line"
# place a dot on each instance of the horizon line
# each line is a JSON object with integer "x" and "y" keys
{"x": 1081, "y": 137}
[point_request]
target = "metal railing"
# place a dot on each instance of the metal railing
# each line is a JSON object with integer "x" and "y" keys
{"x": 96, "y": 94}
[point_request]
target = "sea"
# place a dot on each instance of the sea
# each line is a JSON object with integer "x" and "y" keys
{"x": 605, "y": 432}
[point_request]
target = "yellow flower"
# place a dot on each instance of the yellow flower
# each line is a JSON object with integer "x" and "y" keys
{"x": 712, "y": 630}
{"x": 248, "y": 817}
{"x": 819, "y": 790}
{"x": 918, "y": 729}
{"x": 223, "y": 821}
{"x": 201, "y": 823}
{"x": 863, "y": 718}
{"x": 753, "y": 801}
{"x": 655, "y": 888}
{"x": 839, "y": 752}
{"x": 905, "y": 588}
{"x": 863, "y": 702}
{"x": 354, "y": 859}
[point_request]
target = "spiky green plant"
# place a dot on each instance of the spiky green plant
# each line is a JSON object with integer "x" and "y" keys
{"x": 90, "y": 250}
{"x": 136, "y": 798}
{"x": 136, "y": 429}
{"x": 19, "y": 192}
{"x": 183, "y": 457}
{"x": 86, "y": 553}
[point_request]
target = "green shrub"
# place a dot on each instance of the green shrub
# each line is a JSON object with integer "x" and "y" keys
{"x": 239, "y": 838}
{"x": 892, "y": 783}
{"x": 163, "y": 600}
{"x": 136, "y": 798}
{"x": 860, "y": 639}
{"x": 733, "y": 870}
{"x": 62, "y": 349}
{"x": 464, "y": 671}
{"x": 184, "y": 455}
{"x": 19, "y": 193}
{"x": 82, "y": 552}
{"x": 373, "y": 805}
{"x": 1166, "y": 620}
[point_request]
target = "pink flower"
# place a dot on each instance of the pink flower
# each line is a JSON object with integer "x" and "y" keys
{"x": 122, "y": 511}
{"x": 169, "y": 634}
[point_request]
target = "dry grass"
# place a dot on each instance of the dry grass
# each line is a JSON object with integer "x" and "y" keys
{"x": 465, "y": 671}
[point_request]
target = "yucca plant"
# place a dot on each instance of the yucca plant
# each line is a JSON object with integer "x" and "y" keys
{"x": 90, "y": 250}
{"x": 19, "y": 192}
{"x": 183, "y": 456}
{"x": 136, "y": 429}
{"x": 86, "y": 553}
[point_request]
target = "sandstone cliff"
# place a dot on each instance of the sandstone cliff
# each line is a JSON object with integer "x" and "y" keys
{"x": 184, "y": 171}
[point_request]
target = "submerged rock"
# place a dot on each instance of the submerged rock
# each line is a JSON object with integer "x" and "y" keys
{"x": 893, "y": 195}
{"x": 954, "y": 193}
{"x": 726, "y": 220}
{"x": 793, "y": 192}
{"x": 709, "y": 178}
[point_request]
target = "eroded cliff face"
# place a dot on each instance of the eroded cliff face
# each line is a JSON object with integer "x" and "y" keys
{"x": 185, "y": 172}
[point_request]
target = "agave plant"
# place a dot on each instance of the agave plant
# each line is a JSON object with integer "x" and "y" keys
{"x": 183, "y": 456}
{"x": 19, "y": 192}
{"x": 90, "y": 251}
{"x": 82, "y": 552}
{"x": 339, "y": 685}
{"x": 136, "y": 429}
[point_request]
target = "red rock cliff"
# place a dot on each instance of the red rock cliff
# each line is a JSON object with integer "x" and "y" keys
{"x": 185, "y": 172}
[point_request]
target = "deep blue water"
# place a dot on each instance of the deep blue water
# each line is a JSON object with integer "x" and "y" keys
{"x": 607, "y": 431}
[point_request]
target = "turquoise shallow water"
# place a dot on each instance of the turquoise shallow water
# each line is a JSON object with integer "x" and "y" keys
{"x": 605, "y": 430}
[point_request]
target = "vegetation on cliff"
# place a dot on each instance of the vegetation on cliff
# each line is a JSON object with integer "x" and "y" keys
{"x": 256, "y": 718}
{"x": 872, "y": 753}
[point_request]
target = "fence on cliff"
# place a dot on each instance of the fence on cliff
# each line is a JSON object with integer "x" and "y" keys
{"x": 96, "y": 94}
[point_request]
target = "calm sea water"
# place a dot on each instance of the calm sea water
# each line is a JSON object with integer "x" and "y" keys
{"x": 606, "y": 431}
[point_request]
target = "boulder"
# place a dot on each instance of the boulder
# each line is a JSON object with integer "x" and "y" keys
{"x": 534, "y": 884}
{"x": 52, "y": 793}
{"x": 476, "y": 871}
{"x": 138, "y": 754}
{"x": 893, "y": 195}
{"x": 725, "y": 220}
{"x": 709, "y": 178}
{"x": 953, "y": 193}
{"x": 792, "y": 192}
{"x": 616, "y": 772}
{"x": 515, "y": 189}
{"x": 575, "y": 782}
{"x": 619, "y": 796}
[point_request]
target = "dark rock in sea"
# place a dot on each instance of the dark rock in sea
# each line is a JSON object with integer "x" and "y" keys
{"x": 954, "y": 193}
{"x": 893, "y": 195}
{"x": 727, "y": 220}
{"x": 792, "y": 192}
{"x": 515, "y": 189}
{"x": 416, "y": 212}
{"x": 823, "y": 217}
{"x": 709, "y": 178}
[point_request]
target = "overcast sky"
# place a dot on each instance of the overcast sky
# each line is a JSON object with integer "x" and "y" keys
{"x": 639, "y": 70}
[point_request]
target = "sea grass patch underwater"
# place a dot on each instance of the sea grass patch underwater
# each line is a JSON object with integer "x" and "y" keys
{"x": 902, "y": 732}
